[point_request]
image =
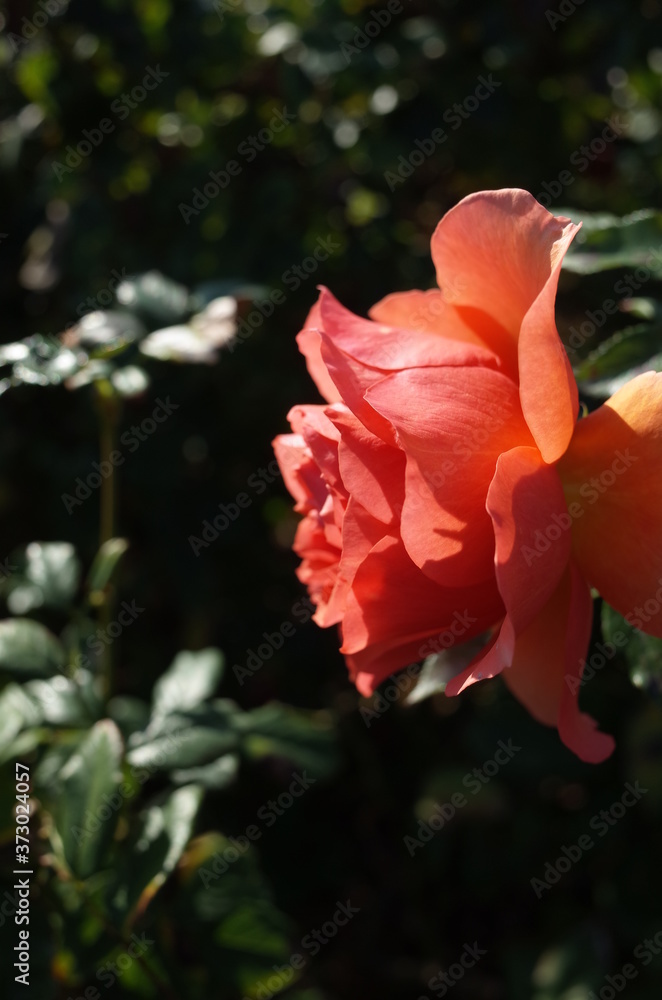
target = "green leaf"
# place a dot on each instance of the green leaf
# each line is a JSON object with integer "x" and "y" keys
{"x": 186, "y": 739}
{"x": 189, "y": 680}
{"x": 606, "y": 242}
{"x": 440, "y": 668}
{"x": 48, "y": 774}
{"x": 217, "y": 775}
{"x": 105, "y": 564}
{"x": 130, "y": 381}
{"x": 643, "y": 653}
{"x": 28, "y": 649}
{"x": 621, "y": 357}
{"x": 63, "y": 701}
{"x": 165, "y": 829}
{"x": 256, "y": 929}
{"x": 87, "y": 806}
{"x": 306, "y": 738}
{"x": 155, "y": 297}
{"x": 46, "y": 361}
{"x": 46, "y": 574}
{"x": 18, "y": 711}
{"x": 130, "y": 714}
{"x": 198, "y": 340}
{"x": 104, "y": 334}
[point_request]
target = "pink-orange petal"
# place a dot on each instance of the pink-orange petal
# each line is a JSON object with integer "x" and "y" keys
{"x": 310, "y": 342}
{"x": 430, "y": 312}
{"x": 496, "y": 250}
{"x": 531, "y": 529}
{"x": 547, "y": 666}
{"x": 612, "y": 476}
{"x": 372, "y": 472}
{"x": 548, "y": 389}
{"x": 453, "y": 423}
{"x": 392, "y": 608}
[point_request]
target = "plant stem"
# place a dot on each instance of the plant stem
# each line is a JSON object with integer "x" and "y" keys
{"x": 109, "y": 413}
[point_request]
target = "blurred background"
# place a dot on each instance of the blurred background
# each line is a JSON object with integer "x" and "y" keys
{"x": 250, "y": 148}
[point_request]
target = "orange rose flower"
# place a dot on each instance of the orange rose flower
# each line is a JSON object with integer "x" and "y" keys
{"x": 448, "y": 488}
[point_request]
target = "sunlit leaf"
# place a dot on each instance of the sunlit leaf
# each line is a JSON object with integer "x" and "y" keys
{"x": 28, "y": 649}
{"x": 87, "y": 807}
{"x": 191, "y": 678}
{"x": 606, "y": 242}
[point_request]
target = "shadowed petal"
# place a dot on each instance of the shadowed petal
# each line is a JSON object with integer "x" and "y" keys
{"x": 612, "y": 477}
{"x": 547, "y": 667}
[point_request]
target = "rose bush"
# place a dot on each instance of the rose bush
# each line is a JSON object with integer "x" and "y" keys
{"x": 447, "y": 485}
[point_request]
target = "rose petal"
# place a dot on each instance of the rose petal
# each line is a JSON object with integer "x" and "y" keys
{"x": 532, "y": 532}
{"x": 310, "y": 343}
{"x": 393, "y": 608}
{"x": 612, "y": 476}
{"x": 496, "y": 250}
{"x": 452, "y": 423}
{"x": 547, "y": 667}
{"x": 373, "y": 472}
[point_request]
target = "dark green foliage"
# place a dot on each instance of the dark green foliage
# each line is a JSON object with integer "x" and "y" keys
{"x": 194, "y": 825}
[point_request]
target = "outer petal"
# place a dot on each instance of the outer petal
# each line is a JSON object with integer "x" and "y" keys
{"x": 392, "y": 608}
{"x": 321, "y": 437}
{"x": 501, "y": 252}
{"x": 548, "y": 664}
{"x": 310, "y": 341}
{"x": 452, "y": 424}
{"x": 300, "y": 473}
{"x": 360, "y": 532}
{"x": 319, "y": 567}
{"x": 496, "y": 250}
{"x": 543, "y": 666}
{"x": 612, "y": 476}
{"x": 548, "y": 390}
{"x": 531, "y": 529}
{"x": 373, "y": 472}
